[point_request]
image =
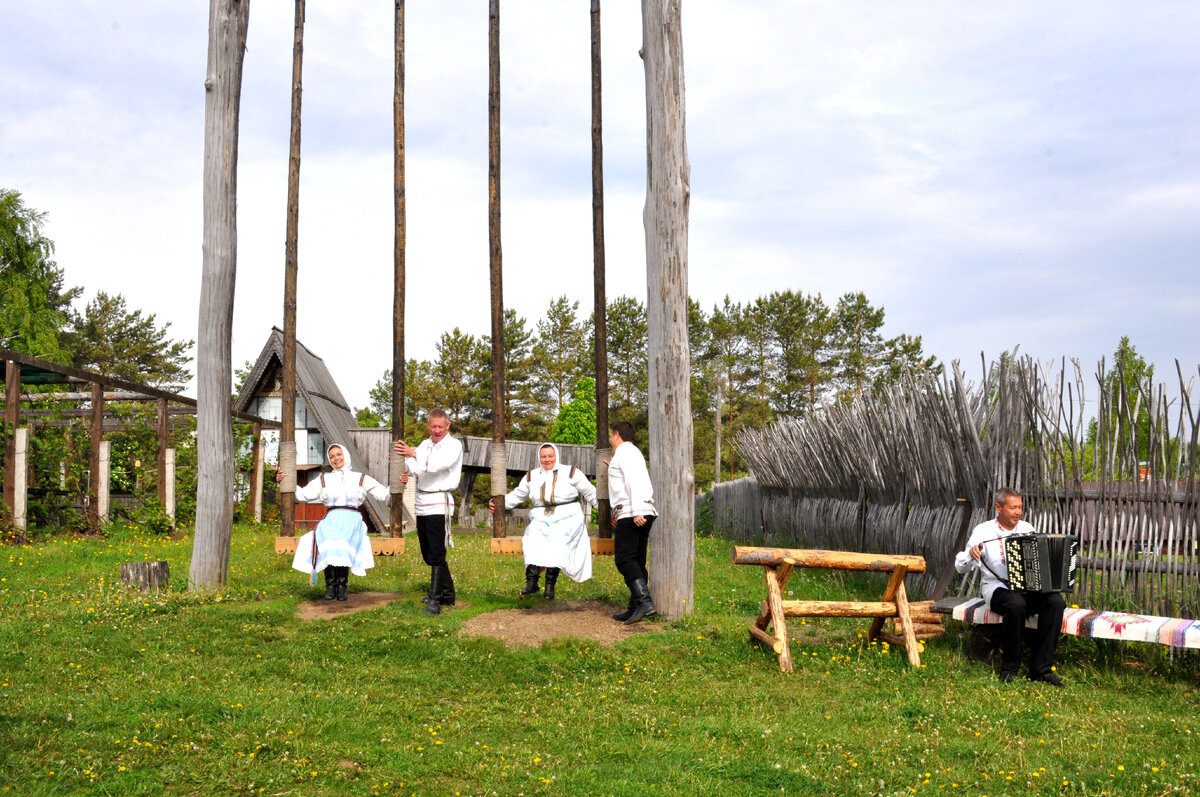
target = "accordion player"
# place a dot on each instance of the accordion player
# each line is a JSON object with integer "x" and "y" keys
{"x": 1041, "y": 562}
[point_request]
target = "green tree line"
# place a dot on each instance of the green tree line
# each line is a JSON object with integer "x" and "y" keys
{"x": 787, "y": 353}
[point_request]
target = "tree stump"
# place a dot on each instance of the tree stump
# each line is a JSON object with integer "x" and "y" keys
{"x": 146, "y": 575}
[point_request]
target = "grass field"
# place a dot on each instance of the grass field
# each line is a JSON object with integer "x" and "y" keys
{"x": 106, "y": 691}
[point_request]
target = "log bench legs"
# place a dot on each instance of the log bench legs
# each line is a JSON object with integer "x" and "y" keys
{"x": 771, "y": 626}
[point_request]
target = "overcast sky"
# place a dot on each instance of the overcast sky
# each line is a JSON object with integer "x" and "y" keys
{"x": 993, "y": 174}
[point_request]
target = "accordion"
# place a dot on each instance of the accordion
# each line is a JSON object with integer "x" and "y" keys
{"x": 1041, "y": 562}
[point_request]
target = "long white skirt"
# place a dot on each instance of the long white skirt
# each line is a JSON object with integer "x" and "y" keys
{"x": 341, "y": 542}
{"x": 559, "y": 540}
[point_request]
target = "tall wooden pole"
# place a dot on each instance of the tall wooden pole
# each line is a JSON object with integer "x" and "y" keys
{"x": 497, "y": 465}
{"x": 162, "y": 418}
{"x": 600, "y": 303}
{"x": 96, "y": 430}
{"x": 12, "y": 417}
{"x": 227, "y": 22}
{"x": 287, "y": 434}
{"x": 397, "y": 505}
{"x": 666, "y": 219}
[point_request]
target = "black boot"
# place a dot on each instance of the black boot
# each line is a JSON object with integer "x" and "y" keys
{"x": 551, "y": 580}
{"x": 330, "y": 583}
{"x": 433, "y": 604}
{"x": 623, "y": 616}
{"x": 531, "y": 580}
{"x": 343, "y": 578}
{"x": 447, "y": 596}
{"x": 643, "y": 603}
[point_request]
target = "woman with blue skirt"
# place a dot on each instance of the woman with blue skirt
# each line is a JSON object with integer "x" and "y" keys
{"x": 339, "y": 545}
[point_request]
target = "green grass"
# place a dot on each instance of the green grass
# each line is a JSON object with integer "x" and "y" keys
{"x": 106, "y": 691}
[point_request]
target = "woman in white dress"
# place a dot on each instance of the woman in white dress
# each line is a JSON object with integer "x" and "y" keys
{"x": 339, "y": 545}
{"x": 556, "y": 537}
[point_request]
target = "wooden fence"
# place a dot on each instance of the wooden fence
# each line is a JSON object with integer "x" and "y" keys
{"x": 736, "y": 509}
{"x": 906, "y": 469}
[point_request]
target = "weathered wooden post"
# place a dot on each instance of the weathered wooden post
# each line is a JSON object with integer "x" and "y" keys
{"x": 287, "y": 435}
{"x": 169, "y": 492}
{"x": 600, "y": 301}
{"x": 96, "y": 430}
{"x": 396, "y": 464}
{"x": 497, "y": 471}
{"x": 102, "y": 491}
{"x": 227, "y": 22}
{"x": 19, "y": 463}
{"x": 162, "y": 416}
{"x": 665, "y": 219}
{"x": 256, "y": 469}
{"x": 256, "y": 492}
{"x": 12, "y": 417}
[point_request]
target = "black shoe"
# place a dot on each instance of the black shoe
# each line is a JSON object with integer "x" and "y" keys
{"x": 1047, "y": 677}
{"x": 551, "y": 580}
{"x": 447, "y": 596}
{"x": 433, "y": 603}
{"x": 330, "y": 584}
{"x": 623, "y": 616}
{"x": 343, "y": 578}
{"x": 531, "y": 581}
{"x": 1007, "y": 676}
{"x": 643, "y": 603}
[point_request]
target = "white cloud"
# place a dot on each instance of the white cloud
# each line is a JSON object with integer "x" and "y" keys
{"x": 990, "y": 174}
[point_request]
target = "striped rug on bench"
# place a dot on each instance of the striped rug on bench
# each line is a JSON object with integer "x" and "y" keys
{"x": 1126, "y": 626}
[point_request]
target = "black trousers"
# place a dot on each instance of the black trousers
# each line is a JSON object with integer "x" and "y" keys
{"x": 1015, "y": 607}
{"x": 630, "y": 543}
{"x": 431, "y": 533}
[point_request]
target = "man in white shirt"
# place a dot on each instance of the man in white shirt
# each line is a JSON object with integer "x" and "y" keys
{"x": 437, "y": 465}
{"x": 633, "y": 513}
{"x": 985, "y": 553}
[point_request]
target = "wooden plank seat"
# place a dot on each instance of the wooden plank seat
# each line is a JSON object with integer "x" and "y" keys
{"x": 778, "y": 563}
{"x": 380, "y": 546}
{"x": 513, "y": 545}
{"x": 1124, "y": 626}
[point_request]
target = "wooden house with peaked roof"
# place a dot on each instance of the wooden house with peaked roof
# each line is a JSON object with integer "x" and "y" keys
{"x": 322, "y": 415}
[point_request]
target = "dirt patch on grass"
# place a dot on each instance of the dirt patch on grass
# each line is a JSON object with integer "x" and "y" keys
{"x": 321, "y": 609}
{"x": 552, "y": 620}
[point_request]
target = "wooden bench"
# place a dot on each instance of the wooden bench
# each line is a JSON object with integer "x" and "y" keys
{"x": 778, "y": 564}
{"x": 1088, "y": 623}
{"x": 380, "y": 546}
{"x": 514, "y": 545}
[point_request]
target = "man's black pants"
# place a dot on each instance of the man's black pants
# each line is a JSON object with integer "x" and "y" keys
{"x": 1015, "y": 607}
{"x": 630, "y": 543}
{"x": 431, "y": 533}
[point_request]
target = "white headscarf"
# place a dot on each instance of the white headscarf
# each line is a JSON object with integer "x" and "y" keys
{"x": 557, "y": 457}
{"x": 345, "y": 456}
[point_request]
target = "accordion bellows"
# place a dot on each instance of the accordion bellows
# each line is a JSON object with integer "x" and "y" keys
{"x": 1041, "y": 562}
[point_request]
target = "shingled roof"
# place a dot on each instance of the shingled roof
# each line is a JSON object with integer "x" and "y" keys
{"x": 321, "y": 396}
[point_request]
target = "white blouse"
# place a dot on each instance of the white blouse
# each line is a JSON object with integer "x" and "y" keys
{"x": 544, "y": 488}
{"x": 342, "y": 488}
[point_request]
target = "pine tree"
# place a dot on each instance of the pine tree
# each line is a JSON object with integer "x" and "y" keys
{"x": 111, "y": 339}
{"x": 559, "y": 353}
